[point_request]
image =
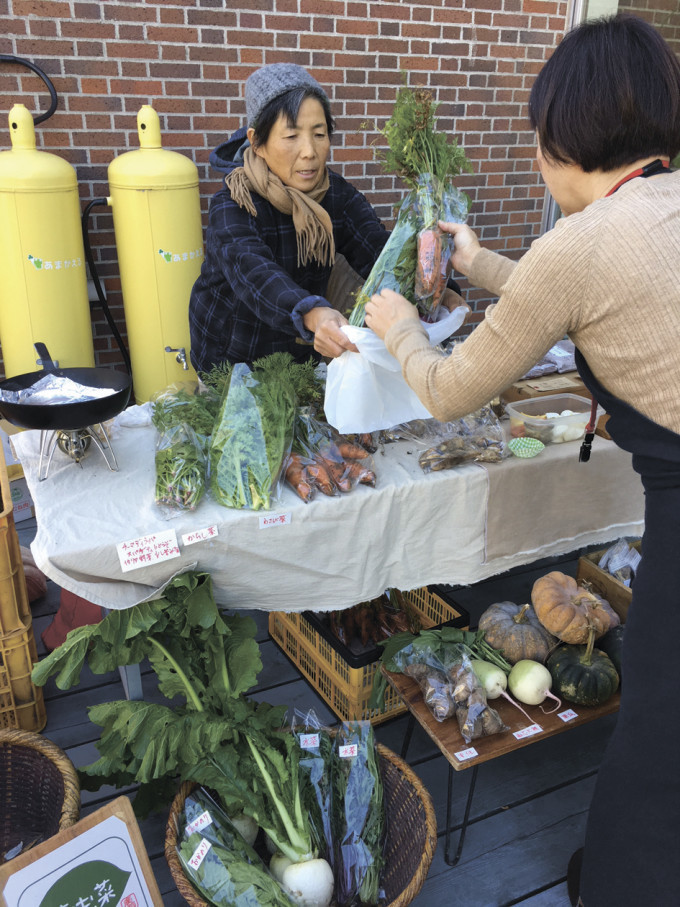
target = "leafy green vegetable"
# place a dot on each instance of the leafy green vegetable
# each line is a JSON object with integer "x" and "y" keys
{"x": 180, "y": 469}
{"x": 226, "y": 876}
{"x": 301, "y": 377}
{"x": 252, "y": 437}
{"x": 223, "y": 877}
{"x": 204, "y": 662}
{"x": 359, "y": 831}
{"x": 432, "y": 643}
{"x": 316, "y": 788}
{"x": 179, "y": 407}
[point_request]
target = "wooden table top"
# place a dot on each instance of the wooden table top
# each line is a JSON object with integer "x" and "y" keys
{"x": 521, "y": 732}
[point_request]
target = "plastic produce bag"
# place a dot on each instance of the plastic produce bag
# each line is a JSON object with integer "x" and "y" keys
{"x": 315, "y": 773}
{"x": 181, "y": 467}
{"x": 219, "y": 863}
{"x": 415, "y": 260}
{"x": 322, "y": 459}
{"x": 359, "y": 812}
{"x": 366, "y": 391}
{"x": 251, "y": 440}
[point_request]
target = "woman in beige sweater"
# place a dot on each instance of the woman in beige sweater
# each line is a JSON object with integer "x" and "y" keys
{"x": 606, "y": 110}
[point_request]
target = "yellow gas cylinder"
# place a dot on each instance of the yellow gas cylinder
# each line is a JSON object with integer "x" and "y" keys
{"x": 159, "y": 238}
{"x": 43, "y": 283}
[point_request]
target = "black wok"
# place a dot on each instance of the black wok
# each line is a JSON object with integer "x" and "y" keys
{"x": 68, "y": 416}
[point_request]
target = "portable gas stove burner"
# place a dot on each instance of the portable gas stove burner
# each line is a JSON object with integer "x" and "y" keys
{"x": 75, "y": 443}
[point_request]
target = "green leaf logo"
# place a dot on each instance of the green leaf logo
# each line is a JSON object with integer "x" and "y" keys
{"x": 96, "y": 882}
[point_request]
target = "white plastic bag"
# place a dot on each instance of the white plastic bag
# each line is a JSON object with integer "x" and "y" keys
{"x": 366, "y": 391}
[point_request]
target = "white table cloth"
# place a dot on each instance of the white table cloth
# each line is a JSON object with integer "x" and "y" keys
{"x": 456, "y": 526}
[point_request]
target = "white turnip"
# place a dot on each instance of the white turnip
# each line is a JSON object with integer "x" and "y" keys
{"x": 494, "y": 681}
{"x": 309, "y": 883}
{"x": 530, "y": 682}
{"x": 246, "y": 826}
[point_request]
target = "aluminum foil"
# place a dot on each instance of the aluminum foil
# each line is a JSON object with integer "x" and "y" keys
{"x": 54, "y": 390}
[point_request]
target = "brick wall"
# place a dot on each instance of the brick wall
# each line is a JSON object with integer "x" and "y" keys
{"x": 189, "y": 58}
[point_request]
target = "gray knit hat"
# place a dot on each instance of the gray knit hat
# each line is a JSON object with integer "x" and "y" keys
{"x": 273, "y": 80}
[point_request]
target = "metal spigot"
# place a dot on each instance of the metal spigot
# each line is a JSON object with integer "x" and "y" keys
{"x": 181, "y": 356}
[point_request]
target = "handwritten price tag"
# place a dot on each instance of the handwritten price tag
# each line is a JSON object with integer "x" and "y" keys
{"x": 309, "y": 741}
{"x": 199, "y": 854}
{"x": 464, "y": 755}
{"x": 528, "y": 731}
{"x": 567, "y": 715}
{"x": 275, "y": 519}
{"x": 147, "y": 550}
{"x": 199, "y": 535}
{"x": 349, "y": 751}
{"x": 200, "y": 822}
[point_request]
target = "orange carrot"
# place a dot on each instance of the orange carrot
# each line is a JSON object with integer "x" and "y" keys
{"x": 298, "y": 478}
{"x": 428, "y": 264}
{"x": 362, "y": 474}
{"x": 339, "y": 473}
{"x": 350, "y": 451}
{"x": 318, "y": 473}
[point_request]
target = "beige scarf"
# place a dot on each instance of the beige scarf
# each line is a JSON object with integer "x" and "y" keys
{"x": 313, "y": 226}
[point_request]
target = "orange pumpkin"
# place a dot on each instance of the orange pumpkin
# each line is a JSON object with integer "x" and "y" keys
{"x": 571, "y": 612}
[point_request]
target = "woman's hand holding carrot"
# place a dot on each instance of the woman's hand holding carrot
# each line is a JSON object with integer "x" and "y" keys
{"x": 466, "y": 245}
{"x": 386, "y": 308}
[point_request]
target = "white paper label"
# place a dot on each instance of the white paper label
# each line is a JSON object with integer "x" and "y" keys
{"x": 200, "y": 822}
{"x": 199, "y": 854}
{"x": 309, "y": 741}
{"x": 275, "y": 519}
{"x": 464, "y": 755}
{"x": 567, "y": 715}
{"x": 348, "y": 751}
{"x": 528, "y": 731}
{"x": 199, "y": 535}
{"x": 147, "y": 550}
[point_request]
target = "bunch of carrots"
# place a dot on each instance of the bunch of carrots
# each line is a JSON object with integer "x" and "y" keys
{"x": 335, "y": 466}
{"x": 368, "y": 623}
{"x": 415, "y": 261}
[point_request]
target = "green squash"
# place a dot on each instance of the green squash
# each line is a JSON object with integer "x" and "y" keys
{"x": 612, "y": 644}
{"x": 582, "y": 675}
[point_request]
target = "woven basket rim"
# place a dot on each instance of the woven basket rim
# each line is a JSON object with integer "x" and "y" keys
{"x": 191, "y": 896}
{"x": 70, "y": 811}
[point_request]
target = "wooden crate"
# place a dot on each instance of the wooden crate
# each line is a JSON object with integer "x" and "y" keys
{"x": 604, "y": 584}
{"x": 347, "y": 689}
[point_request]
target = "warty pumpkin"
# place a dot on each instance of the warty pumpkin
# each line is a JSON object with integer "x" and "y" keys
{"x": 582, "y": 675}
{"x": 517, "y": 632}
{"x": 571, "y": 612}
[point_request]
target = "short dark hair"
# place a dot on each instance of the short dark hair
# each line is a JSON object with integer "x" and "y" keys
{"x": 288, "y": 105}
{"x": 608, "y": 96}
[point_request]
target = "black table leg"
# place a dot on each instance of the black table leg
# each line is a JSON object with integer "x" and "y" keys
{"x": 466, "y": 816}
{"x": 408, "y": 734}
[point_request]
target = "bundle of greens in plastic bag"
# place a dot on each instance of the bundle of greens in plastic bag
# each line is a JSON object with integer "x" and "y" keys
{"x": 315, "y": 767}
{"x": 251, "y": 439}
{"x": 415, "y": 261}
{"x": 184, "y": 420}
{"x": 218, "y": 861}
{"x": 359, "y": 816}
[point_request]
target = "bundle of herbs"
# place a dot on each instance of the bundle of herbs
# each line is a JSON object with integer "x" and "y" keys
{"x": 184, "y": 422}
{"x": 415, "y": 259}
{"x": 359, "y": 816}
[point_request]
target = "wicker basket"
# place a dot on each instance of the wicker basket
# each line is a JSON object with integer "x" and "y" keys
{"x": 39, "y": 789}
{"x": 411, "y": 834}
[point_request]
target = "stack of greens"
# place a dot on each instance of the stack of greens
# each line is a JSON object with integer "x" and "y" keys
{"x": 184, "y": 423}
{"x": 415, "y": 259}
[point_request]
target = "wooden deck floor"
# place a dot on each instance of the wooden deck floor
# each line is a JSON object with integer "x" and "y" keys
{"x": 529, "y": 807}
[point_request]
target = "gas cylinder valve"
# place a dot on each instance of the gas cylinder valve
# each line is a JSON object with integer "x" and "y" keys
{"x": 181, "y": 356}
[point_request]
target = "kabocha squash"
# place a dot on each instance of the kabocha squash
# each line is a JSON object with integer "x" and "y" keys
{"x": 582, "y": 675}
{"x": 571, "y": 612}
{"x": 612, "y": 644}
{"x": 517, "y": 632}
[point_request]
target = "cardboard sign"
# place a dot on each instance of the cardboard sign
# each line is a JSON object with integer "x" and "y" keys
{"x": 101, "y": 860}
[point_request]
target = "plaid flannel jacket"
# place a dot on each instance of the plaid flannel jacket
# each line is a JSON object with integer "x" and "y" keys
{"x": 251, "y": 294}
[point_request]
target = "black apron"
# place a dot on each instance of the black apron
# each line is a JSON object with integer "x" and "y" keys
{"x": 633, "y": 828}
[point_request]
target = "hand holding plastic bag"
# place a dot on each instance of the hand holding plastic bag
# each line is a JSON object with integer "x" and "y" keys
{"x": 366, "y": 391}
